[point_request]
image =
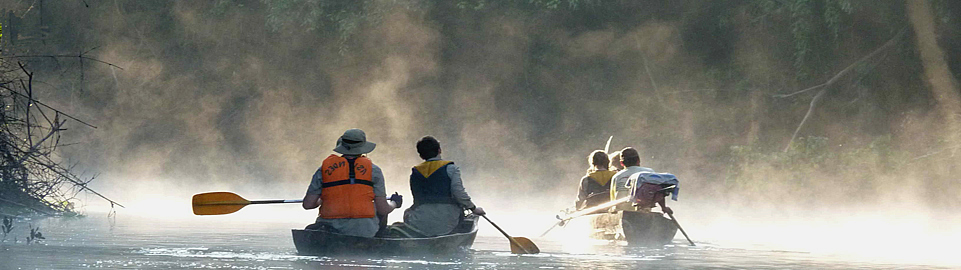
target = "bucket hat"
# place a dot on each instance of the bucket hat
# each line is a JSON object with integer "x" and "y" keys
{"x": 354, "y": 142}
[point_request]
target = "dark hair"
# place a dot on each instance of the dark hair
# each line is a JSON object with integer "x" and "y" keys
{"x": 598, "y": 159}
{"x": 630, "y": 157}
{"x": 428, "y": 147}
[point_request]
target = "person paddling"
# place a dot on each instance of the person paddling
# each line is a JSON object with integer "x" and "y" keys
{"x": 439, "y": 194}
{"x": 349, "y": 189}
{"x": 620, "y": 188}
{"x": 595, "y": 187}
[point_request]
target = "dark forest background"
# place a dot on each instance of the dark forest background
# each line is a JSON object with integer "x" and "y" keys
{"x": 250, "y": 95}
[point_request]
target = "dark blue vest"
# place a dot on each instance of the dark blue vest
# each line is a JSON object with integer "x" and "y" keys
{"x": 434, "y": 188}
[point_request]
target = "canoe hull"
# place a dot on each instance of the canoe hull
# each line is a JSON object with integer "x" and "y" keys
{"x": 637, "y": 228}
{"x": 318, "y": 242}
{"x": 647, "y": 229}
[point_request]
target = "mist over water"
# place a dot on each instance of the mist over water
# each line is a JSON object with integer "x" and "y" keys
{"x": 216, "y": 100}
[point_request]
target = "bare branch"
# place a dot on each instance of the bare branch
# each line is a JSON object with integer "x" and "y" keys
{"x": 819, "y": 86}
{"x": 81, "y": 56}
{"x": 827, "y": 85}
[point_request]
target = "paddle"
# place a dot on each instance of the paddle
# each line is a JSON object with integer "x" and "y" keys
{"x": 219, "y": 203}
{"x": 519, "y": 245}
{"x": 679, "y": 228}
{"x": 591, "y": 210}
{"x": 607, "y": 147}
{"x": 585, "y": 211}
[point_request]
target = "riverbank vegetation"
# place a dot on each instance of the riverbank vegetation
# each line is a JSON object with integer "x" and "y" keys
{"x": 34, "y": 178}
{"x": 785, "y": 100}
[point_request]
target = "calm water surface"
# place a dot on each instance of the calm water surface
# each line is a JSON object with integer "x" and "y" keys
{"x": 95, "y": 242}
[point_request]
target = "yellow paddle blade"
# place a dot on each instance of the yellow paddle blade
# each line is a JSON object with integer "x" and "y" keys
{"x": 526, "y": 246}
{"x": 218, "y": 203}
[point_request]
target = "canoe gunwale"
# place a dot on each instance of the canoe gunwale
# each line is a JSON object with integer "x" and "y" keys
{"x": 320, "y": 242}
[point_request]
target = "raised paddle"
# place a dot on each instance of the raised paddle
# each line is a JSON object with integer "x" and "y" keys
{"x": 519, "y": 245}
{"x": 607, "y": 147}
{"x": 219, "y": 203}
{"x": 679, "y": 228}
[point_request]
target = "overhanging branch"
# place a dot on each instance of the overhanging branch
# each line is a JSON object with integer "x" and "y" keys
{"x": 827, "y": 85}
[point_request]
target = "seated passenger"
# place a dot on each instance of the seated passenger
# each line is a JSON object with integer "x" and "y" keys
{"x": 615, "y": 158}
{"x": 349, "y": 189}
{"x": 439, "y": 195}
{"x": 620, "y": 188}
{"x": 595, "y": 187}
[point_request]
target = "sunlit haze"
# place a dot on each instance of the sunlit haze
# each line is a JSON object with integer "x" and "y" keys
{"x": 215, "y": 98}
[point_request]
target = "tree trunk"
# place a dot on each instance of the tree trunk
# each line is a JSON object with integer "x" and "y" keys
{"x": 942, "y": 190}
{"x": 936, "y": 71}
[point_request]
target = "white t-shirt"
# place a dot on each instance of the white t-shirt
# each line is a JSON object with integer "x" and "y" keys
{"x": 621, "y": 179}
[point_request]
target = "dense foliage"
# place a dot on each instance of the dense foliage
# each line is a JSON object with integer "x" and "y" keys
{"x": 710, "y": 90}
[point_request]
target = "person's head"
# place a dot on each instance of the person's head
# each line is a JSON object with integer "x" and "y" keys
{"x": 616, "y": 161}
{"x": 630, "y": 157}
{"x": 598, "y": 160}
{"x": 428, "y": 147}
{"x": 354, "y": 142}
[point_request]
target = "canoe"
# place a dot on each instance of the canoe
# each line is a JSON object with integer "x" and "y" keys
{"x": 320, "y": 242}
{"x": 647, "y": 229}
{"x": 637, "y": 228}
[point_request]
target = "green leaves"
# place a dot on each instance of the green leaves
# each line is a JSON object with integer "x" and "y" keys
{"x": 815, "y": 27}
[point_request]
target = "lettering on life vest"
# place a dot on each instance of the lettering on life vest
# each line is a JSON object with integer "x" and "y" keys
{"x": 360, "y": 168}
{"x": 330, "y": 169}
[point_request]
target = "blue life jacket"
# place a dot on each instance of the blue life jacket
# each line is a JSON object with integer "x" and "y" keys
{"x": 429, "y": 183}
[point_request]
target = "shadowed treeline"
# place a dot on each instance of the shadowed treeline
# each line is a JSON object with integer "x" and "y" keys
{"x": 251, "y": 95}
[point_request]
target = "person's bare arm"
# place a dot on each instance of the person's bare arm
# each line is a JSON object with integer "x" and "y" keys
{"x": 380, "y": 203}
{"x": 664, "y": 207}
{"x": 311, "y": 201}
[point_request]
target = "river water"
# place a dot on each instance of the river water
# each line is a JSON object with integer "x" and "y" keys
{"x": 97, "y": 242}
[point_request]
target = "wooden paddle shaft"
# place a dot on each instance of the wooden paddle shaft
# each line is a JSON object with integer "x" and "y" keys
{"x": 275, "y": 201}
{"x": 679, "y": 228}
{"x": 585, "y": 211}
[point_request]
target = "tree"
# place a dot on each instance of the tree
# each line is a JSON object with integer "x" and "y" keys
{"x": 936, "y": 71}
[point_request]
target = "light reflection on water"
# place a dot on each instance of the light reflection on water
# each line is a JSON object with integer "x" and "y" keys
{"x": 207, "y": 243}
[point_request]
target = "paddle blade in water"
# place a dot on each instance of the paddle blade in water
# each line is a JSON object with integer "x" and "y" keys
{"x": 218, "y": 203}
{"x": 526, "y": 246}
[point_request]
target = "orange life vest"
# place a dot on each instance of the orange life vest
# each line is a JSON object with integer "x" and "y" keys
{"x": 347, "y": 189}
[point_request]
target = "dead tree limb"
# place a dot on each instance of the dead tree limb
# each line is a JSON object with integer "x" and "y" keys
{"x": 830, "y": 83}
{"x": 55, "y": 110}
{"x": 81, "y": 56}
{"x": 31, "y": 173}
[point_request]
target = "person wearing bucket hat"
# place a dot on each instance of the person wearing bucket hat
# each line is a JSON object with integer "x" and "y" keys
{"x": 439, "y": 194}
{"x": 349, "y": 189}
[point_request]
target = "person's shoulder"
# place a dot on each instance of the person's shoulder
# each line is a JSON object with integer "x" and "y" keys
{"x": 439, "y": 162}
{"x": 618, "y": 174}
{"x": 451, "y": 165}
